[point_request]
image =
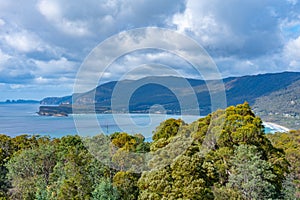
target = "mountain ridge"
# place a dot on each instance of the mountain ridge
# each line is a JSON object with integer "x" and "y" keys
{"x": 254, "y": 89}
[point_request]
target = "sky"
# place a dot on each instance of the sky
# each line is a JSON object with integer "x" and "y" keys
{"x": 44, "y": 42}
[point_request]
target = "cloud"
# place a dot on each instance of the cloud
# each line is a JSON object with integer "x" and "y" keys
{"x": 53, "y": 13}
{"x": 23, "y": 41}
{"x": 233, "y": 66}
{"x": 16, "y": 86}
{"x": 2, "y": 22}
{"x": 57, "y": 81}
{"x": 22, "y": 71}
{"x": 292, "y": 48}
{"x": 293, "y": 2}
{"x": 60, "y": 67}
{"x": 107, "y": 17}
{"x": 247, "y": 37}
{"x": 16, "y": 71}
{"x": 46, "y": 40}
{"x": 3, "y": 59}
{"x": 139, "y": 64}
{"x": 50, "y": 9}
{"x": 292, "y": 53}
{"x": 226, "y": 28}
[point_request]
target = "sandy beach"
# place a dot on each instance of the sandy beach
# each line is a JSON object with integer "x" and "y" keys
{"x": 276, "y": 127}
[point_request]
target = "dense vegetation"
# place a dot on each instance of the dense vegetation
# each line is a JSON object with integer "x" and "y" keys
{"x": 290, "y": 143}
{"x": 285, "y": 110}
{"x": 225, "y": 155}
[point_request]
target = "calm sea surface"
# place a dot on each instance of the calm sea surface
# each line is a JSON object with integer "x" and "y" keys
{"x": 17, "y": 119}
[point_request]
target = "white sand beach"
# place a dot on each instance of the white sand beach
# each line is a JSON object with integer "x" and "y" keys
{"x": 275, "y": 127}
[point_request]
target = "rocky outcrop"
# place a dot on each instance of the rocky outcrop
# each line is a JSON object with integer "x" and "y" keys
{"x": 57, "y": 111}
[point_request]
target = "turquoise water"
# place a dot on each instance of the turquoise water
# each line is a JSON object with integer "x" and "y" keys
{"x": 269, "y": 130}
{"x": 17, "y": 119}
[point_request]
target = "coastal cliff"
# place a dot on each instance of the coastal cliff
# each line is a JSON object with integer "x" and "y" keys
{"x": 57, "y": 111}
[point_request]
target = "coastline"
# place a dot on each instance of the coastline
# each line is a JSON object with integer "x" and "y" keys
{"x": 276, "y": 127}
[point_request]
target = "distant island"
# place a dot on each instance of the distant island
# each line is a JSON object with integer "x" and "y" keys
{"x": 274, "y": 97}
{"x": 18, "y": 101}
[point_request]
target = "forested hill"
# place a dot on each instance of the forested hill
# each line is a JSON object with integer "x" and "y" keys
{"x": 225, "y": 155}
{"x": 274, "y": 97}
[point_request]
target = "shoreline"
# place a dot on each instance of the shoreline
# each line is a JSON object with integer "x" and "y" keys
{"x": 276, "y": 127}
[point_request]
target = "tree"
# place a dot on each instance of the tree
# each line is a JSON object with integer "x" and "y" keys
{"x": 31, "y": 169}
{"x": 168, "y": 128}
{"x": 225, "y": 155}
{"x": 289, "y": 142}
{"x": 105, "y": 191}
{"x": 10, "y": 147}
{"x": 189, "y": 160}
{"x": 6, "y": 151}
{"x": 190, "y": 180}
{"x": 76, "y": 171}
{"x": 242, "y": 127}
{"x": 155, "y": 184}
{"x": 126, "y": 183}
{"x": 250, "y": 175}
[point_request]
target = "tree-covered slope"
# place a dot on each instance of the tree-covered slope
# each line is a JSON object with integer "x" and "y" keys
{"x": 268, "y": 93}
{"x": 281, "y": 106}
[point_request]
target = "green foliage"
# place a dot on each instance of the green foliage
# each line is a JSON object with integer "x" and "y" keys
{"x": 290, "y": 190}
{"x": 241, "y": 127}
{"x": 190, "y": 179}
{"x": 6, "y": 151}
{"x": 286, "y": 109}
{"x": 126, "y": 183}
{"x": 155, "y": 184}
{"x": 225, "y": 155}
{"x": 209, "y": 161}
{"x": 167, "y": 129}
{"x": 105, "y": 191}
{"x": 186, "y": 178}
{"x": 29, "y": 167}
{"x": 10, "y": 147}
{"x": 123, "y": 140}
{"x": 221, "y": 193}
{"x": 76, "y": 171}
{"x": 56, "y": 169}
{"x": 290, "y": 143}
{"x": 250, "y": 175}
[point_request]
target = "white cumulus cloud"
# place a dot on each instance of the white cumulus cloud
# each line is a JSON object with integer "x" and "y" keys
{"x": 3, "y": 58}
{"x": 52, "y": 10}
{"x": 23, "y": 41}
{"x": 2, "y": 22}
{"x": 52, "y": 68}
{"x": 48, "y": 39}
{"x": 231, "y": 27}
{"x": 292, "y": 53}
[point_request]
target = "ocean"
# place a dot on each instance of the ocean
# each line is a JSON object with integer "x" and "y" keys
{"x": 17, "y": 119}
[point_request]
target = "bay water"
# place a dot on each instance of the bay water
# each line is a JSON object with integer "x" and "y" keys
{"x": 17, "y": 119}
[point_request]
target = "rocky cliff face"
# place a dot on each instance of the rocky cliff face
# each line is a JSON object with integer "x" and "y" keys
{"x": 58, "y": 111}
